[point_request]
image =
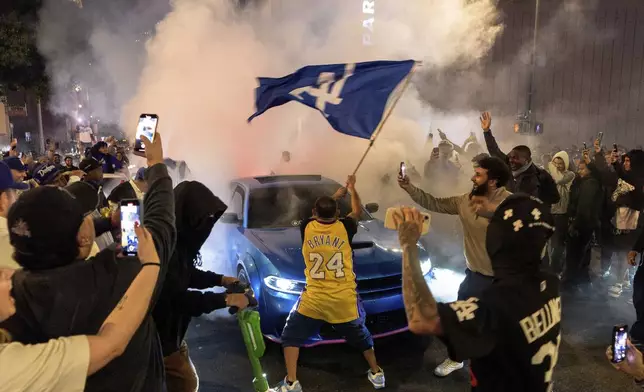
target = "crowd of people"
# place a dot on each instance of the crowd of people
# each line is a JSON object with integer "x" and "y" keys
{"x": 75, "y": 314}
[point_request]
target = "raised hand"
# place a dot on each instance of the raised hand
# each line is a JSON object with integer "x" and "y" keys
{"x": 486, "y": 121}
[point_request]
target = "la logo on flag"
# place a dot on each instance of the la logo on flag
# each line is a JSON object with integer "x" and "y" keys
{"x": 355, "y": 98}
{"x": 328, "y": 91}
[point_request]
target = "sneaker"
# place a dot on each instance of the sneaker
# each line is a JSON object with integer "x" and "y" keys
{"x": 378, "y": 379}
{"x": 627, "y": 285}
{"x": 284, "y": 386}
{"x": 615, "y": 290}
{"x": 447, "y": 367}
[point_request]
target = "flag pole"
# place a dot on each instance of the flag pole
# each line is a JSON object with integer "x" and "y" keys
{"x": 386, "y": 117}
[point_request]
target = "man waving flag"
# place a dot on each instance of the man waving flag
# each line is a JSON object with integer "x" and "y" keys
{"x": 352, "y": 97}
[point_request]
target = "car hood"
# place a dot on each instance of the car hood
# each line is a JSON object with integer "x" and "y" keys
{"x": 376, "y": 250}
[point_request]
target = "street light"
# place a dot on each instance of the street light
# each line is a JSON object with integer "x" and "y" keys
{"x": 80, "y": 106}
{"x": 77, "y": 88}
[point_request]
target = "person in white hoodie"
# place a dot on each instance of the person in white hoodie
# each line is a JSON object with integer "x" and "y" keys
{"x": 558, "y": 169}
{"x": 8, "y": 195}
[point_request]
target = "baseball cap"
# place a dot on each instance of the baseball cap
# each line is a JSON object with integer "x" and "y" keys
{"x": 85, "y": 194}
{"x": 140, "y": 174}
{"x": 45, "y": 174}
{"x": 517, "y": 234}
{"x": 15, "y": 163}
{"x": 43, "y": 225}
{"x": 89, "y": 164}
{"x": 6, "y": 179}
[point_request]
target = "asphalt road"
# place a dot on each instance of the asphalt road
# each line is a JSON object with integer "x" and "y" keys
{"x": 218, "y": 351}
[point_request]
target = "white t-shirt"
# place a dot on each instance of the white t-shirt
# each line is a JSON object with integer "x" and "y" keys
{"x": 58, "y": 365}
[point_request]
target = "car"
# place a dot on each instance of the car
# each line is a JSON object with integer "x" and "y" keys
{"x": 264, "y": 247}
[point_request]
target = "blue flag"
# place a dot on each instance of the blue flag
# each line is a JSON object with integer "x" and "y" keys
{"x": 352, "y": 97}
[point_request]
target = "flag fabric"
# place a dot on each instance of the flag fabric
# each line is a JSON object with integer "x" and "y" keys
{"x": 352, "y": 97}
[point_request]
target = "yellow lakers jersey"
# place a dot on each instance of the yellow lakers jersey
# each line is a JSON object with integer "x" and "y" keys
{"x": 330, "y": 293}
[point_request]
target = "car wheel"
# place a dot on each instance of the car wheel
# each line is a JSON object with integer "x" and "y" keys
{"x": 272, "y": 348}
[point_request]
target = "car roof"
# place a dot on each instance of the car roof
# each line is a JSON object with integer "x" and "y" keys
{"x": 277, "y": 181}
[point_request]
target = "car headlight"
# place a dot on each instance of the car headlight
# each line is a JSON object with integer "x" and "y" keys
{"x": 284, "y": 285}
{"x": 425, "y": 266}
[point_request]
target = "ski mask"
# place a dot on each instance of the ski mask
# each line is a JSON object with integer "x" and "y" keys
{"x": 517, "y": 235}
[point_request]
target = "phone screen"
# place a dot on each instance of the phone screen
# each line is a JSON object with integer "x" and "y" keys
{"x": 147, "y": 127}
{"x": 403, "y": 170}
{"x": 620, "y": 335}
{"x": 130, "y": 216}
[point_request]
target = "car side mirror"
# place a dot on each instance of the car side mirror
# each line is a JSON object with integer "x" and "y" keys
{"x": 372, "y": 207}
{"x": 230, "y": 218}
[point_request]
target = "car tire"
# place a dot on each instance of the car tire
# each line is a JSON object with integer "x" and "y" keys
{"x": 272, "y": 348}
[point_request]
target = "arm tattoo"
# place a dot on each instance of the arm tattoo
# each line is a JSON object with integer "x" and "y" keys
{"x": 419, "y": 302}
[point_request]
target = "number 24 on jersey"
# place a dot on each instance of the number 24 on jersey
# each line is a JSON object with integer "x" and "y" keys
{"x": 334, "y": 265}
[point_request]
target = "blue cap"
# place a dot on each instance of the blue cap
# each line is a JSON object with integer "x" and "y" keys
{"x": 15, "y": 163}
{"x": 45, "y": 174}
{"x": 140, "y": 174}
{"x": 6, "y": 179}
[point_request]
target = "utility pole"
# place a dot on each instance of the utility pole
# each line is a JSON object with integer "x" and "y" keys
{"x": 41, "y": 133}
{"x": 533, "y": 65}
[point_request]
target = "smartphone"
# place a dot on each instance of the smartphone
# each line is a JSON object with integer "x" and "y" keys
{"x": 585, "y": 146}
{"x": 403, "y": 170}
{"x": 600, "y": 137}
{"x": 130, "y": 216}
{"x": 391, "y": 224}
{"x": 620, "y": 335}
{"x": 615, "y": 149}
{"x": 147, "y": 127}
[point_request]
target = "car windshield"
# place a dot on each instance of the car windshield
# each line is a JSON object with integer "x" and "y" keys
{"x": 287, "y": 206}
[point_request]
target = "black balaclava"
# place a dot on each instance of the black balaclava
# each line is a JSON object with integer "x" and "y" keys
{"x": 517, "y": 235}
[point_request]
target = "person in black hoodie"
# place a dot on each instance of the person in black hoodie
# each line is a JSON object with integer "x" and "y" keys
{"x": 586, "y": 200}
{"x": 197, "y": 210}
{"x": 58, "y": 293}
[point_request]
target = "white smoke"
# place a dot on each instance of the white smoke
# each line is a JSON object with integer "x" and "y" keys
{"x": 202, "y": 63}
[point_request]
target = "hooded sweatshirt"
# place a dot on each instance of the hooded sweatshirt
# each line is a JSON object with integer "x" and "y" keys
{"x": 196, "y": 210}
{"x": 563, "y": 180}
{"x": 76, "y": 298}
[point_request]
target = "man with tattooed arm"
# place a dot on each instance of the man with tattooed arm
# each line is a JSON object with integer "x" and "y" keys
{"x": 511, "y": 332}
{"x": 473, "y": 209}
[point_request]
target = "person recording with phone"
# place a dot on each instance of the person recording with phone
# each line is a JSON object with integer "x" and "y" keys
{"x": 488, "y": 191}
{"x": 61, "y": 292}
{"x": 632, "y": 363}
{"x": 64, "y": 363}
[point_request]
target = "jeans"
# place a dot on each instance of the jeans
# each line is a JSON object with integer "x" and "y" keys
{"x": 577, "y": 270}
{"x": 558, "y": 243}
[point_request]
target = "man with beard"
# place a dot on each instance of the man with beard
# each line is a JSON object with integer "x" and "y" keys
{"x": 526, "y": 176}
{"x": 512, "y": 330}
{"x": 489, "y": 180}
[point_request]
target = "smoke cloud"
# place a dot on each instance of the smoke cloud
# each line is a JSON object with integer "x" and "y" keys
{"x": 197, "y": 70}
{"x": 202, "y": 62}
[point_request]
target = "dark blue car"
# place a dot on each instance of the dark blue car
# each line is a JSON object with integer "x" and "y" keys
{"x": 264, "y": 246}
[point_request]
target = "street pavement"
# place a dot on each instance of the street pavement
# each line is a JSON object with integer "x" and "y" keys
{"x": 218, "y": 351}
